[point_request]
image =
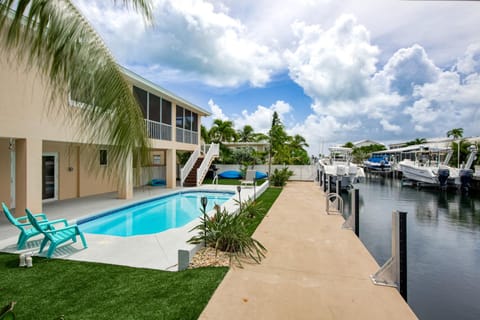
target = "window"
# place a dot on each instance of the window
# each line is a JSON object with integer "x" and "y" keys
{"x": 166, "y": 112}
{"x": 179, "y": 122}
{"x": 194, "y": 122}
{"x": 154, "y": 108}
{"x": 188, "y": 119}
{"x": 142, "y": 99}
{"x": 103, "y": 157}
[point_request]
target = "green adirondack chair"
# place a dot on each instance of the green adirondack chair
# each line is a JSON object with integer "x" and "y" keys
{"x": 56, "y": 236}
{"x": 25, "y": 227}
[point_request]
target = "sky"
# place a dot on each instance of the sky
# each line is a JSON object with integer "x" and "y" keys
{"x": 334, "y": 71}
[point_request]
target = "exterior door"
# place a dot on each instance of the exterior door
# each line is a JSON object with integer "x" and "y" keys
{"x": 49, "y": 176}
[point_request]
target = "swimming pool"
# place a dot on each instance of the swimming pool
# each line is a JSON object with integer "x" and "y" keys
{"x": 153, "y": 216}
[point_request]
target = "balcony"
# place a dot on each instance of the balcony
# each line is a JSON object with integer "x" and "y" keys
{"x": 158, "y": 131}
{"x": 187, "y": 136}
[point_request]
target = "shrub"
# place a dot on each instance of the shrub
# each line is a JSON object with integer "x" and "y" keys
{"x": 279, "y": 177}
{"x": 251, "y": 209}
{"x": 226, "y": 232}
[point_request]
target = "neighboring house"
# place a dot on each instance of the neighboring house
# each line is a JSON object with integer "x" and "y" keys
{"x": 260, "y": 146}
{"x": 43, "y": 158}
{"x": 365, "y": 143}
{"x": 442, "y": 142}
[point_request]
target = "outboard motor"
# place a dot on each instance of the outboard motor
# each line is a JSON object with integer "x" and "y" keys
{"x": 465, "y": 178}
{"x": 443, "y": 174}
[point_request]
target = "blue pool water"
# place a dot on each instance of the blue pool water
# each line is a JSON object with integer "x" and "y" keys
{"x": 153, "y": 216}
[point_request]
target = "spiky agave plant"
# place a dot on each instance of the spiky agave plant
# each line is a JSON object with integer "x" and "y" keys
{"x": 226, "y": 232}
{"x": 54, "y": 38}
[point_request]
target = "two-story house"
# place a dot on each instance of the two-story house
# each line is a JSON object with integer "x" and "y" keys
{"x": 43, "y": 158}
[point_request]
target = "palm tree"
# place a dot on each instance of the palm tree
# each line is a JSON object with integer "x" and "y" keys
{"x": 247, "y": 134}
{"x": 297, "y": 145}
{"x": 456, "y": 133}
{"x": 222, "y": 131}
{"x": 205, "y": 134}
{"x": 419, "y": 141}
{"x": 54, "y": 38}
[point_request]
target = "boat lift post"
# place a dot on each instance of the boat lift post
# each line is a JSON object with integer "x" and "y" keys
{"x": 338, "y": 186}
{"x": 394, "y": 272}
{"x": 353, "y": 221}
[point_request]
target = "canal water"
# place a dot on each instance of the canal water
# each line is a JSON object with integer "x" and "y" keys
{"x": 443, "y": 240}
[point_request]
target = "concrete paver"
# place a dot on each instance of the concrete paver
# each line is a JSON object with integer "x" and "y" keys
{"x": 313, "y": 269}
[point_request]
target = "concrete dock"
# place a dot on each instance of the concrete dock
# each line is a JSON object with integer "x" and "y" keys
{"x": 314, "y": 269}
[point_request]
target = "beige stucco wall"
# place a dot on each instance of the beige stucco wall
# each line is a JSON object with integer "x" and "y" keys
{"x": 27, "y": 113}
{"x": 94, "y": 179}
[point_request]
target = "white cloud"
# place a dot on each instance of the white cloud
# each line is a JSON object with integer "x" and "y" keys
{"x": 217, "y": 113}
{"x": 470, "y": 61}
{"x": 447, "y": 103}
{"x": 323, "y": 131}
{"x": 333, "y": 64}
{"x": 407, "y": 68}
{"x": 261, "y": 118}
{"x": 192, "y": 36}
{"x": 387, "y": 126}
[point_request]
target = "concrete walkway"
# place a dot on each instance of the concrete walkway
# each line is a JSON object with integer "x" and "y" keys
{"x": 313, "y": 269}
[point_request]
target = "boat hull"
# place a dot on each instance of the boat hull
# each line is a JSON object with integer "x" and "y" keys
{"x": 425, "y": 175}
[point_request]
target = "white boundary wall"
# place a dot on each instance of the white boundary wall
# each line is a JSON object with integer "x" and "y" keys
{"x": 300, "y": 173}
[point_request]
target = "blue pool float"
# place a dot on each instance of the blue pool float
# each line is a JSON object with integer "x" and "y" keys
{"x": 158, "y": 182}
{"x": 260, "y": 175}
{"x": 233, "y": 174}
{"x": 230, "y": 174}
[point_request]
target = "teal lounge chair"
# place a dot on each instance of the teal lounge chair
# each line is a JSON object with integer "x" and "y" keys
{"x": 26, "y": 229}
{"x": 7, "y": 312}
{"x": 56, "y": 236}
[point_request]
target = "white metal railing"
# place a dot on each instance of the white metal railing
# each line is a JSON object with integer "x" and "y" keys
{"x": 189, "y": 165}
{"x": 334, "y": 203}
{"x": 213, "y": 151}
{"x": 157, "y": 130}
{"x": 186, "y": 136}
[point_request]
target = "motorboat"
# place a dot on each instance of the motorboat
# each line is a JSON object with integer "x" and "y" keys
{"x": 378, "y": 163}
{"x": 424, "y": 174}
{"x": 426, "y": 169}
{"x": 338, "y": 166}
{"x": 429, "y": 171}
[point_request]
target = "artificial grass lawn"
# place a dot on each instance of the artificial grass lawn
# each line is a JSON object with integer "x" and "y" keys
{"x": 265, "y": 201}
{"x": 83, "y": 290}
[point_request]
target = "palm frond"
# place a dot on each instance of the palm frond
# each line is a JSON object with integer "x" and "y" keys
{"x": 54, "y": 38}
